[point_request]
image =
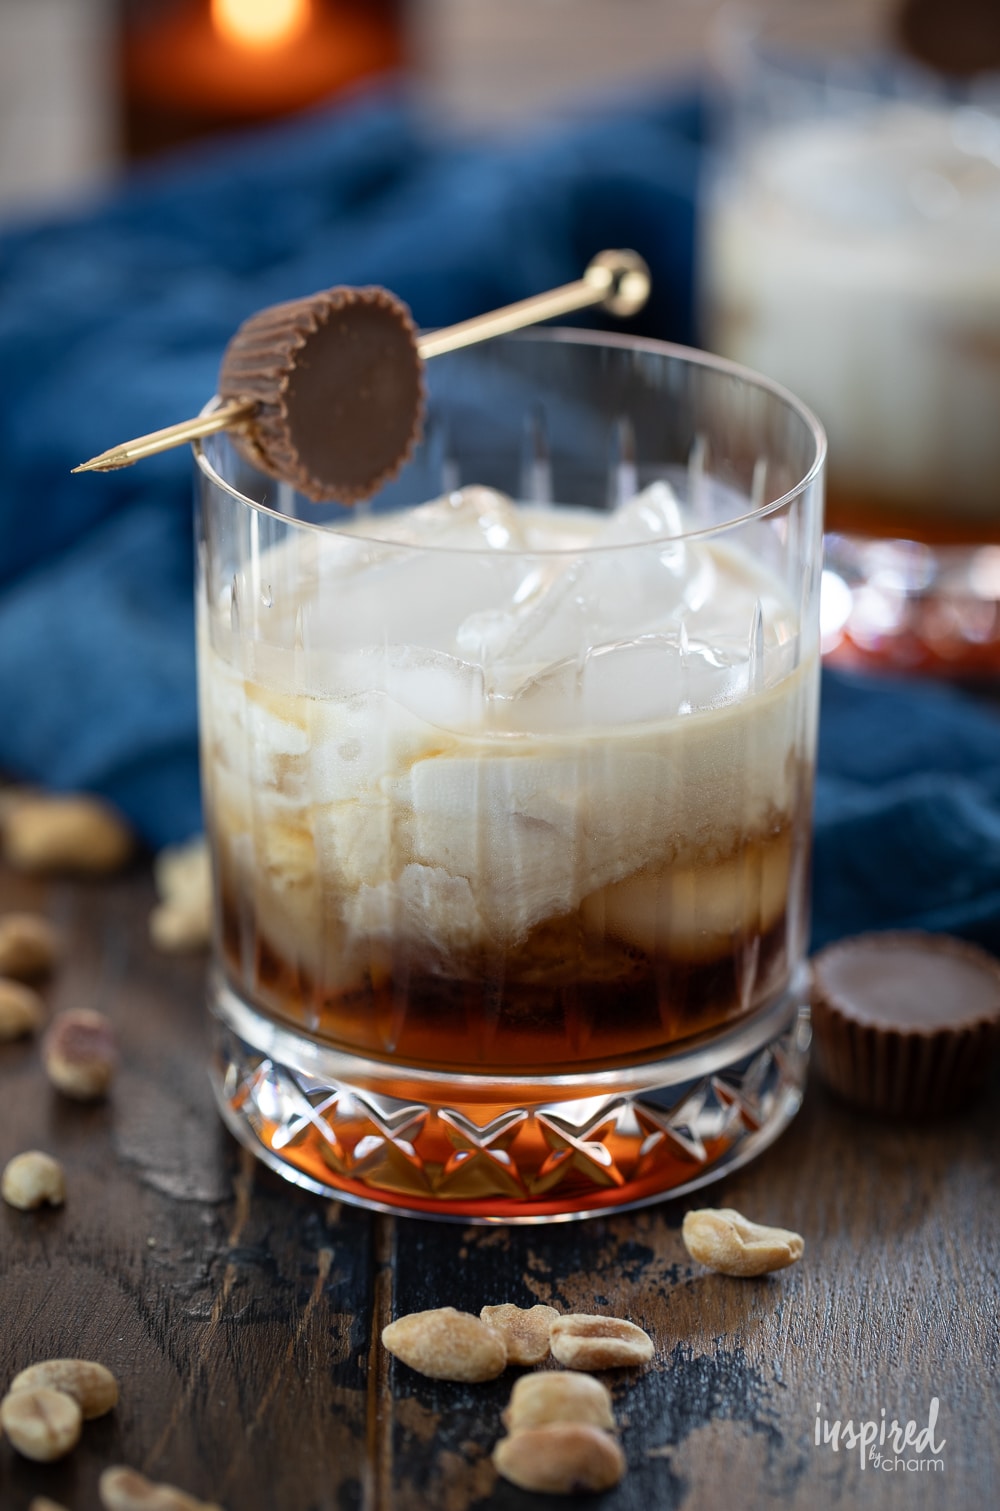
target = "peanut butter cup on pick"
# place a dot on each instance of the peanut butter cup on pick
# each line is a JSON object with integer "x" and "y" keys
{"x": 905, "y": 1023}
{"x": 337, "y": 384}
{"x": 327, "y": 393}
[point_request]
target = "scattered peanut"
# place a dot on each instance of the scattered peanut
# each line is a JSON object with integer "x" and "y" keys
{"x": 557, "y": 1395}
{"x": 28, "y": 946}
{"x": 31, "y": 1179}
{"x": 80, "y": 1054}
{"x": 21, "y": 1010}
{"x": 525, "y": 1330}
{"x": 560, "y": 1458}
{"x": 183, "y": 919}
{"x": 124, "y": 1489}
{"x": 11, "y": 793}
{"x": 582, "y": 1341}
{"x": 728, "y": 1242}
{"x": 180, "y": 870}
{"x": 42, "y": 1503}
{"x": 74, "y": 833}
{"x": 447, "y": 1345}
{"x": 41, "y": 1424}
{"x": 92, "y": 1386}
{"x": 178, "y": 931}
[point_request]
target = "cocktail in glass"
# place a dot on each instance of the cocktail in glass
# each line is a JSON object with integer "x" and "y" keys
{"x": 508, "y": 783}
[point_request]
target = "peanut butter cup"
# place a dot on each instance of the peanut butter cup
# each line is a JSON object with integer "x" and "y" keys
{"x": 338, "y": 385}
{"x": 905, "y": 1023}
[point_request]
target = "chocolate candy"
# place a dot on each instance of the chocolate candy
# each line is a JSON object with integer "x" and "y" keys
{"x": 338, "y": 385}
{"x": 905, "y": 1023}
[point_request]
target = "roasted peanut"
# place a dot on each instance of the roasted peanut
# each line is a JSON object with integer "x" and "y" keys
{"x": 560, "y": 1459}
{"x": 10, "y": 795}
{"x": 42, "y": 1424}
{"x": 183, "y": 918}
{"x": 124, "y": 1489}
{"x": 75, "y": 833}
{"x": 524, "y": 1330}
{"x": 178, "y": 931}
{"x": 447, "y": 1345}
{"x": 42, "y": 1503}
{"x": 728, "y": 1242}
{"x": 21, "y": 1010}
{"x": 184, "y": 871}
{"x": 582, "y": 1341}
{"x": 80, "y": 1054}
{"x": 29, "y": 946}
{"x": 556, "y": 1395}
{"x": 30, "y": 1180}
{"x": 92, "y": 1386}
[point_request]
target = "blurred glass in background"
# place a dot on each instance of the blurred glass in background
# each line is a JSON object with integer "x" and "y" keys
{"x": 851, "y": 249}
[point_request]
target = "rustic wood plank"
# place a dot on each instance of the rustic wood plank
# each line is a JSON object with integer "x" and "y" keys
{"x": 233, "y": 1308}
{"x": 895, "y": 1302}
{"x": 243, "y": 1316}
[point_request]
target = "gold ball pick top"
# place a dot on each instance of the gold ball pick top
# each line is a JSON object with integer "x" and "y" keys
{"x": 327, "y": 392}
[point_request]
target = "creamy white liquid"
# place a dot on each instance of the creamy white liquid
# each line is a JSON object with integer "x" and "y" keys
{"x": 856, "y": 261}
{"x": 456, "y": 741}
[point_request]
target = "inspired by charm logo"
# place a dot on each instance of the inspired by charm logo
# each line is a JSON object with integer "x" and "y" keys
{"x": 891, "y": 1447}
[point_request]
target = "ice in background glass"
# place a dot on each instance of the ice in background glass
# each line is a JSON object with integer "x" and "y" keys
{"x": 850, "y": 250}
{"x": 510, "y": 802}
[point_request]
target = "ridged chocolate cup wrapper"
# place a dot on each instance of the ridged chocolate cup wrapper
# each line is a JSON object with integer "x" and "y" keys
{"x": 905, "y": 1023}
{"x": 338, "y": 386}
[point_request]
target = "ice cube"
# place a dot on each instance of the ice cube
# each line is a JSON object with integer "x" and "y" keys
{"x": 696, "y": 913}
{"x": 423, "y": 905}
{"x": 403, "y": 703}
{"x": 509, "y": 825}
{"x": 485, "y": 636}
{"x": 647, "y": 679}
{"x": 461, "y": 558}
{"x": 648, "y": 515}
{"x": 469, "y": 519}
{"x": 633, "y": 579}
{"x": 439, "y": 689}
{"x": 536, "y": 830}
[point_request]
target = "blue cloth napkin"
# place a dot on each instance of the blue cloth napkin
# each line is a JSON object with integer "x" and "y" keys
{"x": 907, "y": 811}
{"x": 112, "y": 323}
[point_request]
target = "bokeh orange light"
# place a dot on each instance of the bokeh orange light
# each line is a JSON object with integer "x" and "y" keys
{"x": 259, "y": 24}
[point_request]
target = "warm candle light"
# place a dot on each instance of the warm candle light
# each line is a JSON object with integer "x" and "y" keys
{"x": 198, "y": 66}
{"x": 256, "y": 24}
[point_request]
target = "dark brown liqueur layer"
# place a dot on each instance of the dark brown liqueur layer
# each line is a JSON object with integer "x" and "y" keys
{"x": 561, "y": 999}
{"x": 338, "y": 385}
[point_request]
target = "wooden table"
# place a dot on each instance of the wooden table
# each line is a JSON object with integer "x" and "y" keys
{"x": 243, "y": 1316}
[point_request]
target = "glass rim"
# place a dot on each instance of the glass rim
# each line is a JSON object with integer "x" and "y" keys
{"x": 616, "y": 340}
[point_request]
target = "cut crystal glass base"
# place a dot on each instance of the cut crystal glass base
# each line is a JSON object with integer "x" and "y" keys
{"x": 507, "y": 1149}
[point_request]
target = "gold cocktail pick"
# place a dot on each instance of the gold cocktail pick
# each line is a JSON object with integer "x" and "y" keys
{"x": 618, "y": 280}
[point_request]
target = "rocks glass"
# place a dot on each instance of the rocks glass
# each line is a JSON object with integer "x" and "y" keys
{"x": 509, "y": 803}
